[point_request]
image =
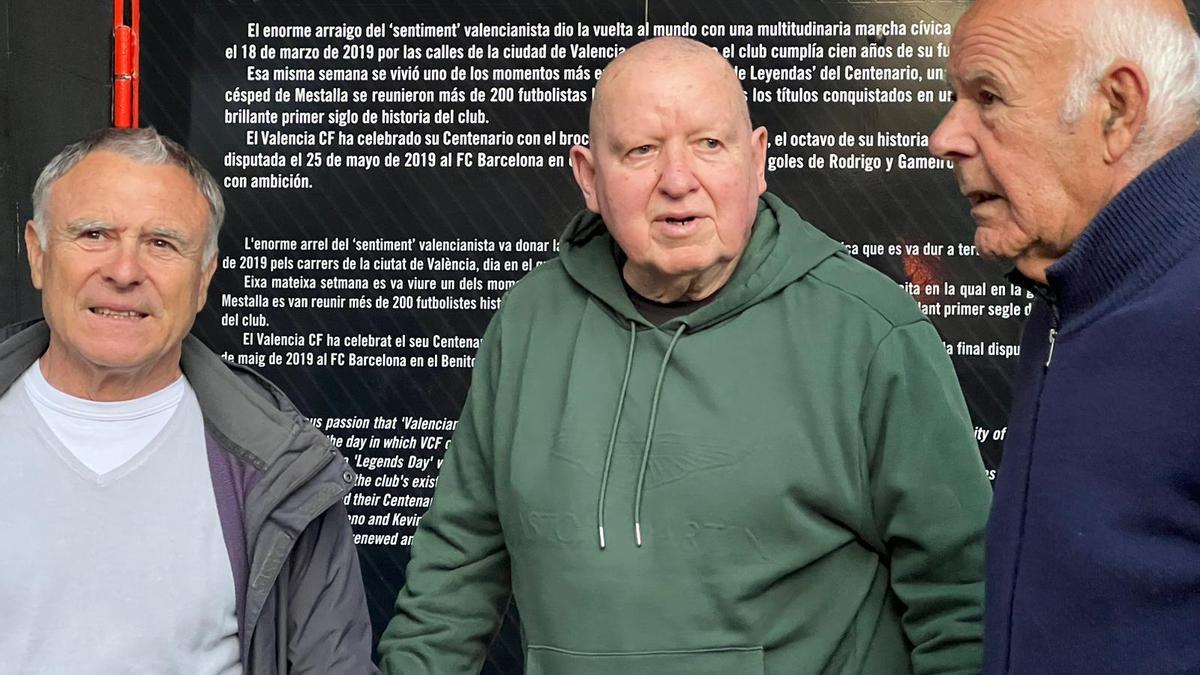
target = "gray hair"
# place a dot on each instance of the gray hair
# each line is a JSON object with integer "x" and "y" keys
{"x": 145, "y": 146}
{"x": 1169, "y": 54}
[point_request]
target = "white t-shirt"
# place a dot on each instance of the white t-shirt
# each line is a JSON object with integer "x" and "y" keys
{"x": 102, "y": 435}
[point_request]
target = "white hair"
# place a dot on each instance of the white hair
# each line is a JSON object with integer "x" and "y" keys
{"x": 1168, "y": 53}
{"x": 145, "y": 146}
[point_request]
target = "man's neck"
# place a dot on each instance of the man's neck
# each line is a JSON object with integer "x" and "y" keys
{"x": 689, "y": 288}
{"x": 87, "y": 381}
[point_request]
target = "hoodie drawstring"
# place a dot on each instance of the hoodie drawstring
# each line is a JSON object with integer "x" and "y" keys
{"x": 662, "y": 370}
{"x": 612, "y": 440}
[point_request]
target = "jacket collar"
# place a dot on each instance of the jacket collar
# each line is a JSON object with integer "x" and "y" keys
{"x": 1143, "y": 232}
{"x": 22, "y": 344}
{"x": 257, "y": 426}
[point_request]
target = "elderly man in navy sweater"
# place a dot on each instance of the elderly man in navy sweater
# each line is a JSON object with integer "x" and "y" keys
{"x": 1074, "y": 137}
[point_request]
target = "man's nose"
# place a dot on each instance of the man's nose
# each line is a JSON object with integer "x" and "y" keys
{"x": 678, "y": 175}
{"x": 953, "y": 139}
{"x": 124, "y": 265}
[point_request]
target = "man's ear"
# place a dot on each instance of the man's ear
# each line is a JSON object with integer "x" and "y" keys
{"x": 758, "y": 142}
{"x": 206, "y": 276}
{"x": 585, "y": 175}
{"x": 1126, "y": 93}
{"x": 33, "y": 250}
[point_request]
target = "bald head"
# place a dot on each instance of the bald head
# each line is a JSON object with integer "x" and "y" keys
{"x": 1173, "y": 9}
{"x": 1065, "y": 9}
{"x": 663, "y": 53}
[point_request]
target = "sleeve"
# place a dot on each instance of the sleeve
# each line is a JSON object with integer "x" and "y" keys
{"x": 329, "y": 628}
{"x": 929, "y": 497}
{"x": 457, "y": 583}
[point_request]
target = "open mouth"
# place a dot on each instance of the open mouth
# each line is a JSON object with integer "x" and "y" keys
{"x": 680, "y": 221}
{"x": 125, "y": 314}
{"x": 978, "y": 197}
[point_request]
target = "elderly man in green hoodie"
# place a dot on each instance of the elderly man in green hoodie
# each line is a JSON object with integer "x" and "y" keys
{"x": 704, "y": 439}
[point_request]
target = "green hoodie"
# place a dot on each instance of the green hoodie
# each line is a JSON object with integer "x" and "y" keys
{"x": 795, "y": 458}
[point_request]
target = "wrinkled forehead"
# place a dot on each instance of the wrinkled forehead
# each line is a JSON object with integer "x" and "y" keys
{"x": 107, "y": 183}
{"x": 663, "y": 106}
{"x": 640, "y": 85}
{"x": 1080, "y": 13}
{"x": 1012, "y": 38}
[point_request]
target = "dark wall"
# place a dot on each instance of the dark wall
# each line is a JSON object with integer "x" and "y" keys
{"x": 55, "y": 66}
{"x": 55, "y": 60}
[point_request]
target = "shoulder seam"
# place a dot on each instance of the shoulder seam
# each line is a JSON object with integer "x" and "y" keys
{"x": 541, "y": 270}
{"x": 894, "y": 324}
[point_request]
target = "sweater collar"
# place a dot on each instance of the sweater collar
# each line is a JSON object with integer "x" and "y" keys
{"x": 1139, "y": 235}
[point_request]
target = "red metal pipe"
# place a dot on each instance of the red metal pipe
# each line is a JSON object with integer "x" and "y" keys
{"x": 126, "y": 65}
{"x": 122, "y": 77}
{"x": 136, "y": 24}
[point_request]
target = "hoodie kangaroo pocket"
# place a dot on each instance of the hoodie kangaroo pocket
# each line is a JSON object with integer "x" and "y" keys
{"x": 542, "y": 660}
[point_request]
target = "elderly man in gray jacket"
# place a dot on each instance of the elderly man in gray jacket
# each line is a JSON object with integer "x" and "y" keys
{"x": 165, "y": 512}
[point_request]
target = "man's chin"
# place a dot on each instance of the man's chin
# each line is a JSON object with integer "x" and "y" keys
{"x": 992, "y": 244}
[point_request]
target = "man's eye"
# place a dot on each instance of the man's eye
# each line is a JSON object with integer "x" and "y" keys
{"x": 711, "y": 143}
{"x": 641, "y": 150}
{"x": 92, "y": 234}
{"x": 986, "y": 97}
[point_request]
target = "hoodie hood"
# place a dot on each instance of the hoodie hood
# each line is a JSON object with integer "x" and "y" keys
{"x": 782, "y": 249}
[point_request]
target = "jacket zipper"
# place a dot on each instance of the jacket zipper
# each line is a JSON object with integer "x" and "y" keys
{"x": 1046, "y": 295}
{"x": 1053, "y": 334}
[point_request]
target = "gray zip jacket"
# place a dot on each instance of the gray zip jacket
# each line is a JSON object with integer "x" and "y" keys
{"x": 279, "y": 486}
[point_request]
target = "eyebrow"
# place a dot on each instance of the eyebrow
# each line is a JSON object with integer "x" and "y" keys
{"x": 81, "y": 225}
{"x": 615, "y": 144}
{"x": 169, "y": 234}
{"x": 981, "y": 76}
{"x": 78, "y": 227}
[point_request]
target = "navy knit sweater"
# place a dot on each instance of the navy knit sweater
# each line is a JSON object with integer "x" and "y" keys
{"x": 1093, "y": 548}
